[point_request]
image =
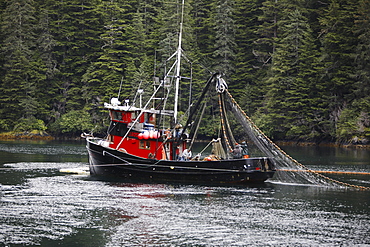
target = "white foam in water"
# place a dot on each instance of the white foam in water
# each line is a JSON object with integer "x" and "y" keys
{"x": 78, "y": 171}
{"x": 45, "y": 165}
{"x": 44, "y": 149}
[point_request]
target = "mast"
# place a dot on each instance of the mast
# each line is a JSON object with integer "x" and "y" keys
{"x": 179, "y": 54}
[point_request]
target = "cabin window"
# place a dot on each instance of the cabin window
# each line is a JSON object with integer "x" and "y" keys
{"x": 144, "y": 144}
{"x": 150, "y": 118}
{"x": 134, "y": 115}
{"x": 126, "y": 117}
{"x": 117, "y": 129}
{"x": 116, "y": 115}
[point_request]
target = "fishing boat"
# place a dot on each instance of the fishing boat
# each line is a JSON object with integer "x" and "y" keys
{"x": 138, "y": 148}
{"x": 149, "y": 144}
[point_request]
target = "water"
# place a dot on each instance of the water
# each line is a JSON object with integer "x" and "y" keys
{"x": 39, "y": 206}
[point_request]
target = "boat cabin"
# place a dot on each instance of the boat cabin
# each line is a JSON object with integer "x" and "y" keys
{"x": 136, "y": 131}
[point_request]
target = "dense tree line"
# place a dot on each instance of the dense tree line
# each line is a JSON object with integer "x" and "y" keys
{"x": 300, "y": 68}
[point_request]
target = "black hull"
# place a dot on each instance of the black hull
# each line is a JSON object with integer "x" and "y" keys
{"x": 107, "y": 162}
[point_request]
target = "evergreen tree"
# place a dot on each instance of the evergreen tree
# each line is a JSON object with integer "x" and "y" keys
{"x": 224, "y": 25}
{"x": 202, "y": 12}
{"x": 291, "y": 104}
{"x": 76, "y": 26}
{"x": 47, "y": 90}
{"x": 102, "y": 79}
{"x": 69, "y": 56}
{"x": 246, "y": 86}
{"x": 354, "y": 123}
{"x": 339, "y": 42}
{"x": 267, "y": 32}
{"x": 21, "y": 73}
{"x": 141, "y": 44}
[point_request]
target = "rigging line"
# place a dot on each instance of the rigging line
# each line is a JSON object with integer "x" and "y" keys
{"x": 195, "y": 120}
{"x": 138, "y": 117}
{"x": 186, "y": 112}
{"x": 288, "y": 156}
{"x": 191, "y": 83}
{"x": 115, "y": 156}
{"x": 170, "y": 70}
{"x": 200, "y": 153}
{"x": 165, "y": 95}
{"x": 161, "y": 145}
{"x": 228, "y": 128}
{"x": 223, "y": 124}
{"x": 197, "y": 126}
{"x": 132, "y": 105}
{"x": 120, "y": 87}
{"x": 137, "y": 92}
{"x": 200, "y": 99}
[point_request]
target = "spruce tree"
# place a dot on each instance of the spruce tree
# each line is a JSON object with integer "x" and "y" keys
{"x": 18, "y": 102}
{"x": 47, "y": 90}
{"x": 142, "y": 46}
{"x": 338, "y": 47}
{"x": 290, "y": 100}
{"x": 267, "y": 32}
{"x": 202, "y": 12}
{"x": 354, "y": 123}
{"x": 246, "y": 86}
{"x": 224, "y": 47}
{"x": 76, "y": 26}
{"x": 102, "y": 78}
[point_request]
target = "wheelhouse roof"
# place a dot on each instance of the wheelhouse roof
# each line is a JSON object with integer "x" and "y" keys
{"x": 127, "y": 108}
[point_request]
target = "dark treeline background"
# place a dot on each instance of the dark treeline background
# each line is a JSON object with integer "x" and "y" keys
{"x": 299, "y": 68}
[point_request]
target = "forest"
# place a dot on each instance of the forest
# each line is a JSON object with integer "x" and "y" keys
{"x": 299, "y": 68}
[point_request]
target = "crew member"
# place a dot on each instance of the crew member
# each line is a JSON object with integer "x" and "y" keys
{"x": 186, "y": 154}
{"x": 237, "y": 152}
{"x": 245, "y": 152}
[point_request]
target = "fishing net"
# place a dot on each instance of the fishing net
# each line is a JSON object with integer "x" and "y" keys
{"x": 288, "y": 169}
{"x": 217, "y": 149}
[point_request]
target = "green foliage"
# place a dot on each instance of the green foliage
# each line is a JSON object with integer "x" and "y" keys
{"x": 300, "y": 68}
{"x": 289, "y": 100}
{"x": 4, "y": 125}
{"x": 19, "y": 75}
{"x": 338, "y": 47}
{"x": 224, "y": 26}
{"x": 33, "y": 125}
{"x": 73, "y": 123}
{"x": 353, "y": 126}
{"x": 245, "y": 83}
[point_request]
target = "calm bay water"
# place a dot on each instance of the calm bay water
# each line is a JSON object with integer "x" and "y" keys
{"x": 39, "y": 206}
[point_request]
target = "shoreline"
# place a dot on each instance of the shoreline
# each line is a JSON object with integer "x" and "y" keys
{"x": 25, "y": 136}
{"x": 46, "y": 137}
{"x": 323, "y": 144}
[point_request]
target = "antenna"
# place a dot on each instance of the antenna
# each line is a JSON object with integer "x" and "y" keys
{"x": 120, "y": 87}
{"x": 179, "y": 50}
